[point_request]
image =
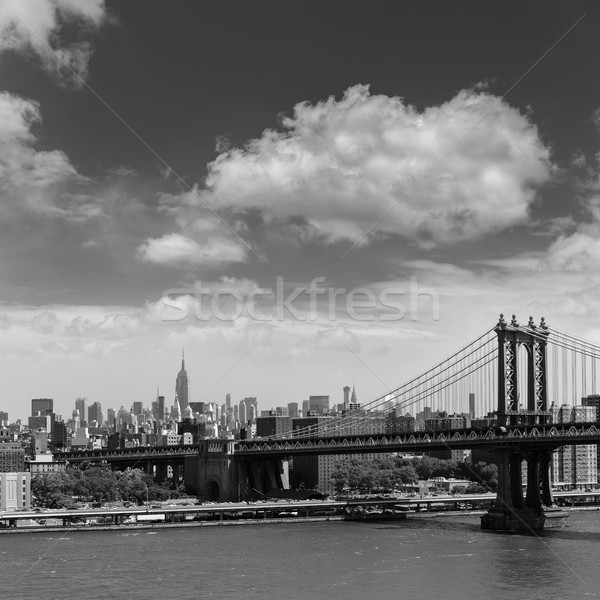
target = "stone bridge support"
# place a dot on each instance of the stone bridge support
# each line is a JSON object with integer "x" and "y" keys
{"x": 211, "y": 476}
{"x": 512, "y": 512}
{"x": 258, "y": 476}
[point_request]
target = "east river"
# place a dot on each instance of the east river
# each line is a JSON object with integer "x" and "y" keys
{"x": 434, "y": 558}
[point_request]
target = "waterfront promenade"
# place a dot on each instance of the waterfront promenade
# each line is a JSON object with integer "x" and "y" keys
{"x": 230, "y": 513}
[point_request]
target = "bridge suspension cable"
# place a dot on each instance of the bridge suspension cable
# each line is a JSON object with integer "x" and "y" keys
{"x": 433, "y": 385}
{"x": 466, "y": 376}
{"x": 573, "y": 365}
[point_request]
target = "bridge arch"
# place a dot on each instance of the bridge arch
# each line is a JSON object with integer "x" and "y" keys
{"x": 213, "y": 489}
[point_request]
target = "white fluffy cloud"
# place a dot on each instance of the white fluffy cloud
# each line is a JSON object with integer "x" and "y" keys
{"x": 179, "y": 250}
{"x": 20, "y": 163}
{"x": 36, "y": 25}
{"x": 580, "y": 251}
{"x": 452, "y": 172}
{"x": 30, "y": 179}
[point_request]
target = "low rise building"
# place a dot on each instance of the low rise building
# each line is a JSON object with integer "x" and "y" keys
{"x": 15, "y": 491}
{"x": 45, "y": 463}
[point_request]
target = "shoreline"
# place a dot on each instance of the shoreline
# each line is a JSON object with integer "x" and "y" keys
{"x": 246, "y": 522}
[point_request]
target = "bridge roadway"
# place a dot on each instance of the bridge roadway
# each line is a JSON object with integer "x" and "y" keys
{"x": 263, "y": 509}
{"x": 551, "y": 436}
{"x": 533, "y": 435}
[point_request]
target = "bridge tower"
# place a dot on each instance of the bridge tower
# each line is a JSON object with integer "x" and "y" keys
{"x": 512, "y": 512}
{"x": 533, "y": 339}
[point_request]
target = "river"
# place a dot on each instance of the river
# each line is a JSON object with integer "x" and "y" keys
{"x": 446, "y": 558}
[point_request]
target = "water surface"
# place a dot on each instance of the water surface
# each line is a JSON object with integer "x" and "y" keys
{"x": 449, "y": 558}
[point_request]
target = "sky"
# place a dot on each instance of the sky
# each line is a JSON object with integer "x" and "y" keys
{"x": 302, "y": 195}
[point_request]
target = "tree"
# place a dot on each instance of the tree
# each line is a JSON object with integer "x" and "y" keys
{"x": 53, "y": 490}
{"x": 476, "y": 488}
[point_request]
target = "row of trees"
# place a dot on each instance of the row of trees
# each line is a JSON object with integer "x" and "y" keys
{"x": 99, "y": 484}
{"x": 390, "y": 473}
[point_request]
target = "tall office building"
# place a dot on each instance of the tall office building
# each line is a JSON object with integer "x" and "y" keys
{"x": 346, "y": 397}
{"x": 12, "y": 458}
{"x": 95, "y": 413}
{"x": 272, "y": 425}
{"x": 228, "y": 401}
{"x": 59, "y": 436}
{"x": 253, "y": 413}
{"x": 80, "y": 405}
{"x": 248, "y": 409}
{"x": 319, "y": 404}
{"x": 472, "y": 406}
{"x": 593, "y": 400}
{"x": 354, "y": 405}
{"x": 182, "y": 386}
{"x": 41, "y": 406}
{"x": 575, "y": 466}
{"x": 138, "y": 408}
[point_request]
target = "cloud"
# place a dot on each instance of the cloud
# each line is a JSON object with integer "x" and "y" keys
{"x": 38, "y": 26}
{"x": 176, "y": 249}
{"x": 32, "y": 180}
{"x": 580, "y": 251}
{"x": 21, "y": 165}
{"x": 595, "y": 119}
{"x": 458, "y": 171}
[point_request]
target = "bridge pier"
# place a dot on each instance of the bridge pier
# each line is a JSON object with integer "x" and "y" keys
{"x": 537, "y": 511}
{"x": 261, "y": 476}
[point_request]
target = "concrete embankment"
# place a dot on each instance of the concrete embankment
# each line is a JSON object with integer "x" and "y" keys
{"x": 259, "y": 521}
{"x": 179, "y": 525}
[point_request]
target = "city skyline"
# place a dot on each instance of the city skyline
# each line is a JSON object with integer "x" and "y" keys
{"x": 300, "y": 198}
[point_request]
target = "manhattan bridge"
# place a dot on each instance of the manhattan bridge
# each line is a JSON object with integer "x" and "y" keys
{"x": 525, "y": 376}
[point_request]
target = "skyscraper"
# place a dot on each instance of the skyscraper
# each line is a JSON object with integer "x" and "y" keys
{"x": 182, "y": 386}
{"x": 346, "y": 397}
{"x": 80, "y": 406}
{"x": 319, "y": 404}
{"x": 41, "y": 405}
{"x": 95, "y": 413}
{"x": 472, "y": 405}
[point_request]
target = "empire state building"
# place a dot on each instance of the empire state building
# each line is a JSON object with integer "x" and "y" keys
{"x": 182, "y": 386}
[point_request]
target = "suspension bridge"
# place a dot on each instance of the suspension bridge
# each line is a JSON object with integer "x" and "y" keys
{"x": 521, "y": 385}
{"x": 520, "y": 391}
